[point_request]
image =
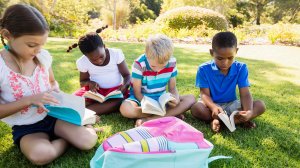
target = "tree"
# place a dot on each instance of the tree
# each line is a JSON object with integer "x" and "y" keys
{"x": 154, "y": 5}
{"x": 140, "y": 12}
{"x": 118, "y": 9}
{"x": 286, "y": 10}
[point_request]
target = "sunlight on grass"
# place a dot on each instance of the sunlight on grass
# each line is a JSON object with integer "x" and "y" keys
{"x": 275, "y": 142}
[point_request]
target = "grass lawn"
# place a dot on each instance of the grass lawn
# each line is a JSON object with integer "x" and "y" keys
{"x": 275, "y": 142}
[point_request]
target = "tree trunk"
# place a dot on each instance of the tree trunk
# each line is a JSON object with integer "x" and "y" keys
{"x": 258, "y": 12}
{"x": 115, "y": 15}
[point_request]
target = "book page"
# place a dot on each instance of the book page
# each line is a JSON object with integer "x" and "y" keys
{"x": 94, "y": 96}
{"x": 164, "y": 99}
{"x": 71, "y": 101}
{"x": 89, "y": 117}
{"x": 116, "y": 92}
{"x": 232, "y": 118}
{"x": 151, "y": 106}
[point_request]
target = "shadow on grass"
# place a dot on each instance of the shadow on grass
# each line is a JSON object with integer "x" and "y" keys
{"x": 275, "y": 143}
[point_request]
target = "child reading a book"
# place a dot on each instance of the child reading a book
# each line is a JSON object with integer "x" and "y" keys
{"x": 152, "y": 72}
{"x": 217, "y": 80}
{"x": 103, "y": 71}
{"x": 26, "y": 82}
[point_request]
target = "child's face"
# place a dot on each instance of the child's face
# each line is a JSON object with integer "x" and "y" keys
{"x": 224, "y": 57}
{"x": 155, "y": 65}
{"x": 27, "y": 46}
{"x": 98, "y": 56}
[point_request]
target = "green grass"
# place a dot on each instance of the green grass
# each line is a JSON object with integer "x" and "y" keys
{"x": 275, "y": 143}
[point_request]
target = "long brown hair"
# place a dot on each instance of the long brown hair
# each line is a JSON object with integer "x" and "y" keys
{"x": 22, "y": 20}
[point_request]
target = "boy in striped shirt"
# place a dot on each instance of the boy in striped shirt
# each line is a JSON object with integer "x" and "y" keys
{"x": 151, "y": 73}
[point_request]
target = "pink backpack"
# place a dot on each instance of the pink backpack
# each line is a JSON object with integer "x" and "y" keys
{"x": 163, "y": 143}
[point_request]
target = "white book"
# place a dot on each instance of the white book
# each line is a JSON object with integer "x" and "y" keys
{"x": 71, "y": 109}
{"x": 228, "y": 120}
{"x": 151, "y": 106}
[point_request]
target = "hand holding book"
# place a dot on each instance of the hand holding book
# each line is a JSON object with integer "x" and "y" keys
{"x": 216, "y": 111}
{"x": 173, "y": 102}
{"x": 41, "y": 99}
{"x": 93, "y": 86}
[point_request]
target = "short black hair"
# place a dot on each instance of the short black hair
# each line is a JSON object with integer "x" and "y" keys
{"x": 224, "y": 40}
{"x": 90, "y": 42}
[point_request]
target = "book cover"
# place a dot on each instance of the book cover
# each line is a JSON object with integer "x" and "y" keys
{"x": 71, "y": 109}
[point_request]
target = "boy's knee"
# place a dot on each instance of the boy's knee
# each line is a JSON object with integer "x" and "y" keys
{"x": 199, "y": 111}
{"x": 42, "y": 156}
{"x": 189, "y": 99}
{"x": 127, "y": 110}
{"x": 196, "y": 109}
{"x": 260, "y": 105}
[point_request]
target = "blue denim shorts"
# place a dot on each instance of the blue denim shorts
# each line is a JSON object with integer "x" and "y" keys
{"x": 46, "y": 125}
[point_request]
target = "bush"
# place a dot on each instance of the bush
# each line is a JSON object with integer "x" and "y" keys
{"x": 284, "y": 33}
{"x": 190, "y": 17}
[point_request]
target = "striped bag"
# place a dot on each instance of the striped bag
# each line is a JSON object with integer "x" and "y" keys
{"x": 163, "y": 143}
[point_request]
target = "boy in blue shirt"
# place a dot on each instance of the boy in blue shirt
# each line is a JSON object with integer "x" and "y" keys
{"x": 217, "y": 80}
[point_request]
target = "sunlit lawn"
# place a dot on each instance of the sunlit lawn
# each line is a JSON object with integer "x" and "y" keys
{"x": 275, "y": 142}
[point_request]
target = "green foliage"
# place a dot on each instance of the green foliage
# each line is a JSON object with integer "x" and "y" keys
{"x": 141, "y": 13}
{"x": 283, "y": 33}
{"x": 69, "y": 18}
{"x": 3, "y": 4}
{"x": 122, "y": 14}
{"x": 235, "y": 18}
{"x": 190, "y": 17}
{"x": 154, "y": 5}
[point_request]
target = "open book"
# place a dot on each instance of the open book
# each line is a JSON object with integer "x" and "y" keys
{"x": 117, "y": 94}
{"x": 151, "y": 106}
{"x": 71, "y": 109}
{"x": 228, "y": 120}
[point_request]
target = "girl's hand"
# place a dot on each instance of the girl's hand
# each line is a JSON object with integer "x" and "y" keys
{"x": 55, "y": 87}
{"x": 43, "y": 98}
{"x": 123, "y": 89}
{"x": 215, "y": 111}
{"x": 93, "y": 86}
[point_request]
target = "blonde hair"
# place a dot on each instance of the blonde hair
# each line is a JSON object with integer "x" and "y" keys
{"x": 159, "y": 46}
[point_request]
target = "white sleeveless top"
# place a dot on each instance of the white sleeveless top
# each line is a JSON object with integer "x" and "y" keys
{"x": 107, "y": 76}
{"x": 14, "y": 86}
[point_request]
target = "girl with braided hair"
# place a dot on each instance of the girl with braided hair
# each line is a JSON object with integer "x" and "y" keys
{"x": 102, "y": 70}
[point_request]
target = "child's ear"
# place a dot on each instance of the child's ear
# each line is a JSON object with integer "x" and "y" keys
{"x": 5, "y": 34}
{"x": 211, "y": 51}
{"x": 237, "y": 49}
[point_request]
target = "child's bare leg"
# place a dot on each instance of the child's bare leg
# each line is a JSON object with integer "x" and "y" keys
{"x": 202, "y": 112}
{"x": 81, "y": 137}
{"x": 258, "y": 109}
{"x": 186, "y": 102}
{"x": 39, "y": 150}
{"x": 130, "y": 109}
{"x": 106, "y": 107}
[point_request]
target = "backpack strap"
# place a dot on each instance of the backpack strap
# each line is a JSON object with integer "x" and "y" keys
{"x": 211, "y": 159}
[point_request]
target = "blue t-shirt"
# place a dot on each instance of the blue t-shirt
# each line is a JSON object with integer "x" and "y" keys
{"x": 222, "y": 87}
